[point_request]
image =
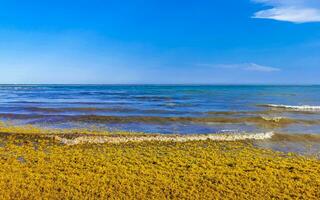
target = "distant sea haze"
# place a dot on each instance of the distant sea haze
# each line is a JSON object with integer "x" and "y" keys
{"x": 179, "y": 109}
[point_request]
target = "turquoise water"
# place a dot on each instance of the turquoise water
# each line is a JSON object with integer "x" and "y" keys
{"x": 165, "y": 109}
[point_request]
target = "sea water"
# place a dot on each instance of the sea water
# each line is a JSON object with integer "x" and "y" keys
{"x": 179, "y": 109}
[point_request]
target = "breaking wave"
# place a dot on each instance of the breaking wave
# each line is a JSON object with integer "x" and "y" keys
{"x": 295, "y": 108}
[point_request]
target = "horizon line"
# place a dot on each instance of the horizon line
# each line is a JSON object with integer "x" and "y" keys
{"x": 166, "y": 84}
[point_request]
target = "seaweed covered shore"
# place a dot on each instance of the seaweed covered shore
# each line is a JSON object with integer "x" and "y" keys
{"x": 35, "y": 165}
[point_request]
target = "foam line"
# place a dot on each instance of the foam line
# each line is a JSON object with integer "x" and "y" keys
{"x": 164, "y": 138}
{"x": 296, "y": 108}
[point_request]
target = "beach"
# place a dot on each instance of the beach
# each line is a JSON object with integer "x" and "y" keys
{"x": 35, "y": 165}
{"x": 159, "y": 142}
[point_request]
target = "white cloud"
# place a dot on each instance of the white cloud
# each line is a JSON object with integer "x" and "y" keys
{"x": 244, "y": 66}
{"x": 296, "y": 11}
{"x": 260, "y": 68}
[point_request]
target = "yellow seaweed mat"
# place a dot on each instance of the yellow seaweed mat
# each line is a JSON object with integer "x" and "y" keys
{"x": 33, "y": 167}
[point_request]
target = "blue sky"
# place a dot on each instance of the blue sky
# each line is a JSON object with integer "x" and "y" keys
{"x": 198, "y": 42}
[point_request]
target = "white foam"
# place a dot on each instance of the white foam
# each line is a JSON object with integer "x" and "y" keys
{"x": 164, "y": 138}
{"x": 272, "y": 119}
{"x": 296, "y": 108}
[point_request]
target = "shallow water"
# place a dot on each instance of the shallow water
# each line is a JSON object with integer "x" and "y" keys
{"x": 165, "y": 109}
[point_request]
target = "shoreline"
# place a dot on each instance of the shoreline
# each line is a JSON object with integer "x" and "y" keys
{"x": 96, "y": 135}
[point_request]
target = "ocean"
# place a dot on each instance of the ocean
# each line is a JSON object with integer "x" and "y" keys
{"x": 167, "y": 109}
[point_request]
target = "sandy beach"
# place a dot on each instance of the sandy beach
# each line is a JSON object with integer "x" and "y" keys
{"x": 37, "y": 163}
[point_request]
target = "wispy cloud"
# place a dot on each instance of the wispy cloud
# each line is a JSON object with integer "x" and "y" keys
{"x": 260, "y": 68}
{"x": 296, "y": 11}
{"x": 244, "y": 66}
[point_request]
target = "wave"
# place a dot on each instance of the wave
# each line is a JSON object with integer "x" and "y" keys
{"x": 91, "y": 110}
{"x": 273, "y": 119}
{"x": 20, "y": 116}
{"x": 230, "y": 113}
{"x": 25, "y": 102}
{"x": 104, "y": 118}
{"x": 164, "y": 138}
{"x": 306, "y": 108}
{"x": 77, "y": 109}
{"x": 296, "y": 137}
{"x": 261, "y": 121}
{"x": 264, "y": 121}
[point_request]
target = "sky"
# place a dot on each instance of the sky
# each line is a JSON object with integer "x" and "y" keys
{"x": 160, "y": 42}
